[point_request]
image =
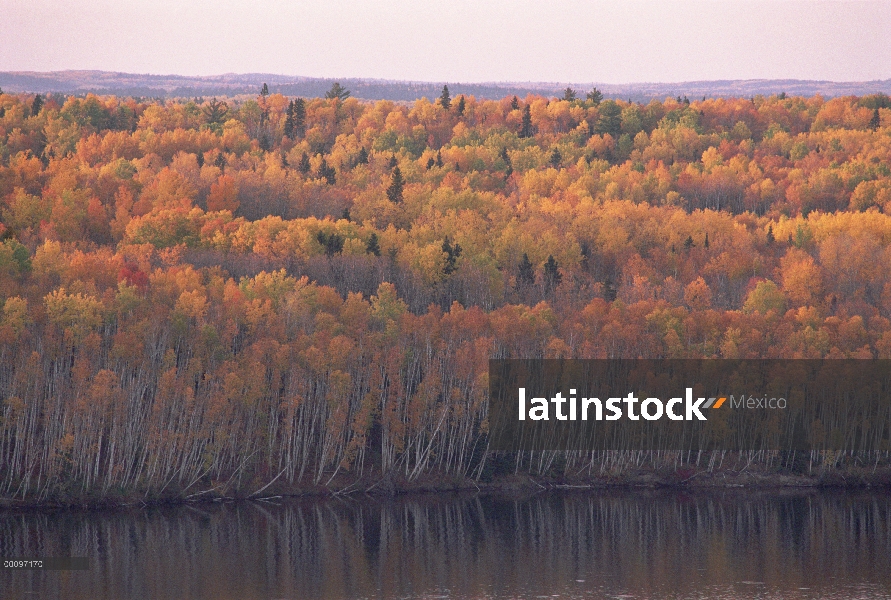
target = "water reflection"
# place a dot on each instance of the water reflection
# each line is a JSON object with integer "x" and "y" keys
{"x": 630, "y": 544}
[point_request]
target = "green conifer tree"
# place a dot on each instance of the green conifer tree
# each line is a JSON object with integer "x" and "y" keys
{"x": 552, "y": 275}
{"x": 394, "y": 191}
{"x": 303, "y": 166}
{"x": 215, "y": 111}
{"x": 289, "y": 121}
{"x": 444, "y": 99}
{"x": 595, "y": 96}
{"x": 452, "y": 255}
{"x": 299, "y": 117}
{"x": 525, "y": 273}
{"x": 36, "y": 105}
{"x": 337, "y": 91}
{"x": 332, "y": 243}
{"x": 373, "y": 246}
{"x": 526, "y": 126}
{"x": 326, "y": 172}
{"x": 220, "y": 162}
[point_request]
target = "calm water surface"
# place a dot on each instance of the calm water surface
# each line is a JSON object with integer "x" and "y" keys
{"x": 629, "y": 544}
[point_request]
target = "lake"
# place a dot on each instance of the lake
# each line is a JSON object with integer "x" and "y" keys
{"x": 635, "y": 543}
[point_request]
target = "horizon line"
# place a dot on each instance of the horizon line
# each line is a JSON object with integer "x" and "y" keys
{"x": 445, "y": 82}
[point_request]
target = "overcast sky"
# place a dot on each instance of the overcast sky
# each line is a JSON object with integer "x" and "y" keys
{"x": 612, "y": 41}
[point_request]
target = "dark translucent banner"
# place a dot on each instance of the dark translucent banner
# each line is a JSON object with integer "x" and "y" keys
{"x": 737, "y": 405}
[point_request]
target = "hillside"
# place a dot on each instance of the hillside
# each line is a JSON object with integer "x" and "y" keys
{"x": 222, "y": 296}
{"x": 129, "y": 84}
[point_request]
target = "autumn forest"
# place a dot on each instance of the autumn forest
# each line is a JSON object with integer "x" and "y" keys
{"x": 245, "y": 295}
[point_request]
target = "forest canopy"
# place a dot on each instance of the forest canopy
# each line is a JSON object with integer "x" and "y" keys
{"x": 306, "y": 281}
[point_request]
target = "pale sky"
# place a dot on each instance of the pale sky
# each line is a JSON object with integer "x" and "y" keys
{"x": 617, "y": 41}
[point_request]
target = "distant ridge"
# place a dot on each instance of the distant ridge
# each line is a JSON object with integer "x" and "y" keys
{"x": 230, "y": 84}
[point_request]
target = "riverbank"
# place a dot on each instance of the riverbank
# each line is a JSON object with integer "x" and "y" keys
{"x": 754, "y": 478}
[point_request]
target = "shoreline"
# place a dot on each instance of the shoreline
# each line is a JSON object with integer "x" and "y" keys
{"x": 878, "y": 479}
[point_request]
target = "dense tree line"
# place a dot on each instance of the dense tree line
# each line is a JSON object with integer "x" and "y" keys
{"x": 237, "y": 292}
